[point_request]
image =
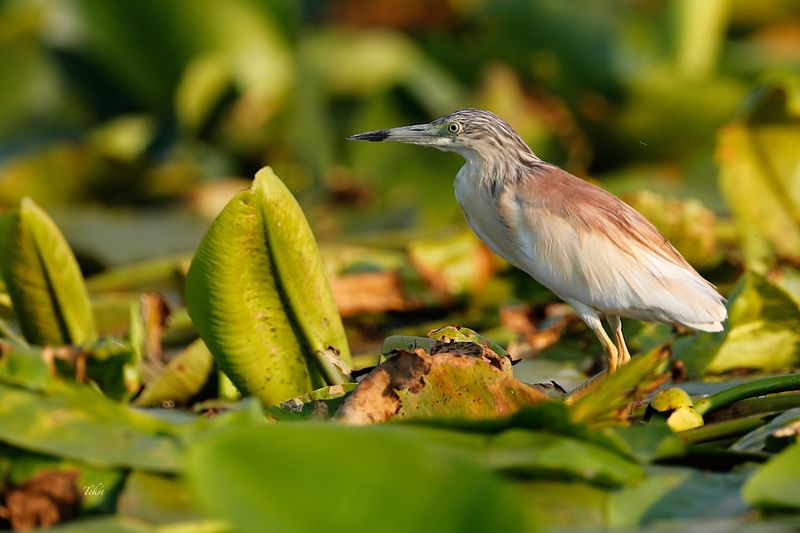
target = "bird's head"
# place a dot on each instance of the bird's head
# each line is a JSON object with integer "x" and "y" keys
{"x": 477, "y": 135}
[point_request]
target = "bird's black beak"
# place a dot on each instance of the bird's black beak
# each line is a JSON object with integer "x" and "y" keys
{"x": 374, "y": 136}
{"x": 425, "y": 134}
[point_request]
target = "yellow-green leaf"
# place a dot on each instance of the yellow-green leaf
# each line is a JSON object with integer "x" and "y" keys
{"x": 775, "y": 483}
{"x": 183, "y": 377}
{"x": 466, "y": 387}
{"x": 467, "y": 381}
{"x": 759, "y": 172}
{"x": 607, "y": 398}
{"x": 258, "y": 295}
{"x": 763, "y": 332}
{"x": 398, "y": 470}
{"x": 43, "y": 279}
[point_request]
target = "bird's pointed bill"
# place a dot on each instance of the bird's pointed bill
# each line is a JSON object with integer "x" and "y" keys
{"x": 417, "y": 134}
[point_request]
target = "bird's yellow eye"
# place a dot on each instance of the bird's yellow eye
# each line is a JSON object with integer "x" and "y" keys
{"x": 454, "y": 127}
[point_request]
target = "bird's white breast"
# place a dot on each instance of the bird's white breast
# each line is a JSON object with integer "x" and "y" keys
{"x": 497, "y": 221}
{"x": 480, "y": 211}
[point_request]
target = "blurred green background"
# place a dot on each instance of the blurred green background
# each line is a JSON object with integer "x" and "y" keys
{"x": 132, "y": 123}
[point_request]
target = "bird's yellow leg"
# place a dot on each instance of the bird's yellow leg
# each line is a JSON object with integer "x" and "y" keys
{"x": 612, "y": 358}
{"x": 591, "y": 319}
{"x": 616, "y": 326}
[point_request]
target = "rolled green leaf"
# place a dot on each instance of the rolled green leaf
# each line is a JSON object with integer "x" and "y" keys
{"x": 43, "y": 279}
{"x": 258, "y": 295}
{"x": 183, "y": 377}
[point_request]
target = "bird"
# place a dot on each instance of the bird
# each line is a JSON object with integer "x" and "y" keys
{"x": 588, "y": 247}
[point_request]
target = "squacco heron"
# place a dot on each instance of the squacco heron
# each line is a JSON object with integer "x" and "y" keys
{"x": 587, "y": 246}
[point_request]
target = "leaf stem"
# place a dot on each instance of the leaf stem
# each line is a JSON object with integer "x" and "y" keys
{"x": 773, "y": 403}
{"x": 720, "y": 430}
{"x": 751, "y": 389}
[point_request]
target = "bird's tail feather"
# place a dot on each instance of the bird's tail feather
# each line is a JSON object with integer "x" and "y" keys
{"x": 705, "y": 326}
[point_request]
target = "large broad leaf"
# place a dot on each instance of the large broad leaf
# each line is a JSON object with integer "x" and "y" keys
{"x": 775, "y": 484}
{"x": 25, "y": 367}
{"x": 258, "y": 295}
{"x": 156, "y": 499}
{"x": 677, "y": 493}
{"x": 545, "y": 456}
{"x": 124, "y": 524}
{"x": 760, "y": 172}
{"x": 552, "y": 418}
{"x": 376, "y": 478}
{"x": 79, "y": 423}
{"x": 669, "y": 499}
{"x": 763, "y": 331}
{"x": 43, "y": 279}
{"x": 649, "y": 442}
{"x": 563, "y": 505}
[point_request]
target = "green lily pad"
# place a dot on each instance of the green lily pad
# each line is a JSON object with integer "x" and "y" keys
{"x": 649, "y": 442}
{"x": 157, "y": 499}
{"x": 545, "y": 456}
{"x": 563, "y": 505}
{"x": 79, "y": 423}
{"x": 24, "y": 366}
{"x": 775, "y": 484}
{"x": 385, "y": 471}
{"x": 677, "y": 493}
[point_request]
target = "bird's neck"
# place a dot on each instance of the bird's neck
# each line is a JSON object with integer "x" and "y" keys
{"x": 501, "y": 166}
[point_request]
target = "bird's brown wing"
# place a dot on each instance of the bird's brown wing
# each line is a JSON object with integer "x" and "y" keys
{"x": 593, "y": 209}
{"x": 590, "y": 247}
